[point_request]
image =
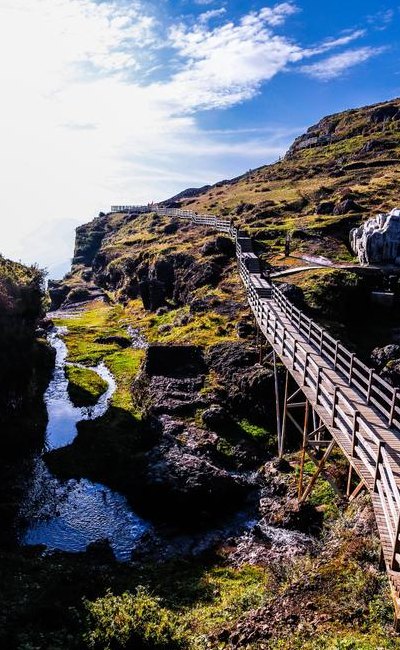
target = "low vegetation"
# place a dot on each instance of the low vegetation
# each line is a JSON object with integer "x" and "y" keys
{"x": 84, "y": 386}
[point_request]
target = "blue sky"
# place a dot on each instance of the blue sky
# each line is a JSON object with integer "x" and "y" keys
{"x": 110, "y": 101}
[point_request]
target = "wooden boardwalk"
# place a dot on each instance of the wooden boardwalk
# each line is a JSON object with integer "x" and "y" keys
{"x": 351, "y": 406}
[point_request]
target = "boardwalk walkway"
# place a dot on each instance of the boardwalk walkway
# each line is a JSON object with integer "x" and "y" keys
{"x": 352, "y": 406}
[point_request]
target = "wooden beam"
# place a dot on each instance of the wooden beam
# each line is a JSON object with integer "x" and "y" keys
{"x": 360, "y": 487}
{"x": 320, "y": 467}
{"x": 284, "y": 419}
{"x": 303, "y": 451}
{"x": 277, "y": 404}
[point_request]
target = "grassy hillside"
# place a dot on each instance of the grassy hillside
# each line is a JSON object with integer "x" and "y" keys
{"x": 344, "y": 169}
{"x": 166, "y": 283}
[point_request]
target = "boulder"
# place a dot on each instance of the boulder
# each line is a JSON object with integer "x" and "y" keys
{"x": 381, "y": 356}
{"x": 228, "y": 358}
{"x": 185, "y": 487}
{"x": 245, "y": 329}
{"x": 152, "y": 293}
{"x": 174, "y": 361}
{"x": 58, "y": 293}
{"x": 346, "y": 206}
{"x": 121, "y": 341}
{"x": 215, "y": 417}
{"x": 377, "y": 241}
{"x": 326, "y": 207}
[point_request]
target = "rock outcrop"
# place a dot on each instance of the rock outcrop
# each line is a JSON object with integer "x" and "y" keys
{"x": 377, "y": 241}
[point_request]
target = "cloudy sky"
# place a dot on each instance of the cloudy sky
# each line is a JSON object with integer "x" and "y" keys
{"x": 114, "y": 101}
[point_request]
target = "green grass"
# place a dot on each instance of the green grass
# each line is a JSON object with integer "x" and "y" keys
{"x": 323, "y": 494}
{"x": 84, "y": 386}
{"x": 253, "y": 430}
{"x": 84, "y": 330}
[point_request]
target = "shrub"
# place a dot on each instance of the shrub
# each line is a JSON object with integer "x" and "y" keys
{"x": 131, "y": 621}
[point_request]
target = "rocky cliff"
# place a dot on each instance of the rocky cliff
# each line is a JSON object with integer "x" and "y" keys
{"x": 21, "y": 309}
{"x": 189, "y": 434}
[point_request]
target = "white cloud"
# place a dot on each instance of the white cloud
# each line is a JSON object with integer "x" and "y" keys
{"x": 336, "y": 65}
{"x": 83, "y": 125}
{"x": 227, "y": 64}
{"x": 211, "y": 14}
{"x": 277, "y": 15}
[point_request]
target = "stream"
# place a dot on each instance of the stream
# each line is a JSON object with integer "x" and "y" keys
{"x": 69, "y": 515}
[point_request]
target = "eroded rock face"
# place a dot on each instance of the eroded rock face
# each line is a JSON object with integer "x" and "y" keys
{"x": 377, "y": 241}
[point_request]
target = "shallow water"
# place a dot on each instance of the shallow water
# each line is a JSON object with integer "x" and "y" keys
{"x": 63, "y": 415}
{"x": 68, "y": 515}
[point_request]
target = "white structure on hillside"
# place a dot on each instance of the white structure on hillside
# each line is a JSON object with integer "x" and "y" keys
{"x": 377, "y": 241}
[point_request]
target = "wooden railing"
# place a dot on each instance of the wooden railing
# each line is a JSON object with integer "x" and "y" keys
{"x": 358, "y": 439}
{"x": 373, "y": 461}
{"x": 376, "y": 391}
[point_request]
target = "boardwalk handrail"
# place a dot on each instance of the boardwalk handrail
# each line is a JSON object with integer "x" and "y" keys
{"x": 335, "y": 381}
{"x": 378, "y": 392}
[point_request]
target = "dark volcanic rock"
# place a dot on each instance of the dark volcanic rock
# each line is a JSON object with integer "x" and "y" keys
{"x": 215, "y": 417}
{"x": 171, "y": 381}
{"x": 58, "y": 293}
{"x": 100, "y": 551}
{"x": 117, "y": 340}
{"x": 227, "y": 358}
{"x": 292, "y": 293}
{"x": 385, "y": 113}
{"x": 152, "y": 293}
{"x": 245, "y": 329}
{"x": 173, "y": 395}
{"x": 171, "y": 228}
{"x": 174, "y": 361}
{"x": 220, "y": 245}
{"x": 346, "y": 206}
{"x": 391, "y": 373}
{"x": 381, "y": 356}
{"x": 183, "y": 486}
{"x": 326, "y": 207}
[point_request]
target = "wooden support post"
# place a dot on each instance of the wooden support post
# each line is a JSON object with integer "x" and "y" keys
{"x": 371, "y": 374}
{"x": 360, "y": 487}
{"x": 305, "y": 368}
{"x": 378, "y": 460}
{"x": 335, "y": 400}
{"x": 294, "y": 354}
{"x": 318, "y": 380}
{"x": 351, "y": 367}
{"x": 319, "y": 469}
{"x": 336, "y": 354}
{"x": 395, "y": 564}
{"x": 303, "y": 451}
{"x": 393, "y": 406}
{"x": 349, "y": 478}
{"x": 354, "y": 432}
{"x": 261, "y": 348}
{"x": 284, "y": 419}
{"x": 277, "y": 404}
{"x": 382, "y": 563}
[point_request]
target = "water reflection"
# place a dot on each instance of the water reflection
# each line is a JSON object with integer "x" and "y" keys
{"x": 63, "y": 415}
{"x": 68, "y": 515}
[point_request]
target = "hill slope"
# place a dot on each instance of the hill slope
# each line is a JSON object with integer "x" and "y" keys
{"x": 190, "y": 429}
{"x": 343, "y": 169}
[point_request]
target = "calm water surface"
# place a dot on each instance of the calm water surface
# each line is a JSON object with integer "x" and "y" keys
{"x": 68, "y": 515}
